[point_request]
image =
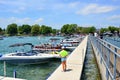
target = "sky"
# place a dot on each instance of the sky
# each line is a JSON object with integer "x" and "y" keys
{"x": 56, "y": 13}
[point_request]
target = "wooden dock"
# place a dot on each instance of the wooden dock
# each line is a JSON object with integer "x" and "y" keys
{"x": 75, "y": 62}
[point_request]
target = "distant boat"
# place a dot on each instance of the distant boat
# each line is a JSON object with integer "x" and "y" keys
{"x": 71, "y": 43}
{"x": 20, "y": 37}
{"x": 1, "y": 38}
{"x": 51, "y": 45}
{"x": 30, "y": 57}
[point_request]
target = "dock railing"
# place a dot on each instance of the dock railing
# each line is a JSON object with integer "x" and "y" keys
{"x": 109, "y": 55}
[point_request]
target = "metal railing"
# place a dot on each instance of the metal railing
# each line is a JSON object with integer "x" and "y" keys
{"x": 109, "y": 55}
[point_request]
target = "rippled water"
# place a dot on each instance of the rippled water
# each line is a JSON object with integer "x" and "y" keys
{"x": 113, "y": 40}
{"x": 90, "y": 70}
{"x": 29, "y": 72}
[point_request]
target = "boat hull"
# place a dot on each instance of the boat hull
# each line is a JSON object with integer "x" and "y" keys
{"x": 28, "y": 59}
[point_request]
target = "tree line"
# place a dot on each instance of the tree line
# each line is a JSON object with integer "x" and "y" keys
{"x": 67, "y": 29}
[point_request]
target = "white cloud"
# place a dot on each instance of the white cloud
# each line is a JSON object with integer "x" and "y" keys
{"x": 114, "y": 18}
{"x": 6, "y": 21}
{"x": 39, "y": 20}
{"x": 74, "y": 4}
{"x": 18, "y": 10}
{"x": 95, "y": 9}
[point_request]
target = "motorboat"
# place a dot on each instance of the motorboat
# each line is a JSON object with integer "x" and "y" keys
{"x": 72, "y": 41}
{"x": 51, "y": 45}
{"x": 29, "y": 57}
{"x": 1, "y": 38}
{"x": 70, "y": 44}
{"x": 47, "y": 47}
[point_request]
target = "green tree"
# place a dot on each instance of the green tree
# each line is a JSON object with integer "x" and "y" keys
{"x": 20, "y": 30}
{"x": 102, "y": 30}
{"x": 64, "y": 28}
{"x": 112, "y": 29}
{"x": 79, "y": 30}
{"x": 35, "y": 29}
{"x": 85, "y": 30}
{"x": 25, "y": 29}
{"x": 12, "y": 29}
{"x": 0, "y": 30}
{"x": 54, "y": 31}
{"x": 45, "y": 30}
{"x": 72, "y": 28}
{"x": 92, "y": 29}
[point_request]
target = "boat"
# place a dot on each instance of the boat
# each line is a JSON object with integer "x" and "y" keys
{"x": 29, "y": 57}
{"x": 72, "y": 41}
{"x": 1, "y": 38}
{"x": 47, "y": 47}
{"x": 70, "y": 44}
{"x": 51, "y": 45}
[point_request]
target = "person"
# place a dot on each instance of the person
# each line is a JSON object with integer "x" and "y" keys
{"x": 63, "y": 54}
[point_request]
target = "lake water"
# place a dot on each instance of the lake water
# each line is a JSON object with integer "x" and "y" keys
{"x": 90, "y": 69}
{"x": 113, "y": 40}
{"x": 29, "y": 72}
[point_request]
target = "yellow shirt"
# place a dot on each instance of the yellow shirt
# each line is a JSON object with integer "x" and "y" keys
{"x": 63, "y": 53}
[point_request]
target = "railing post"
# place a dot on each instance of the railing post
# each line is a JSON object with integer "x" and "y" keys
{"x": 114, "y": 66}
{"x": 108, "y": 63}
{"x": 101, "y": 53}
{"x": 4, "y": 69}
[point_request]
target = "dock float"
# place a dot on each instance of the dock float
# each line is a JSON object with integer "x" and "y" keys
{"x": 75, "y": 62}
{"x": 9, "y": 78}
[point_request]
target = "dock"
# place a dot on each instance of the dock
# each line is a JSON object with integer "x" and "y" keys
{"x": 9, "y": 78}
{"x": 75, "y": 62}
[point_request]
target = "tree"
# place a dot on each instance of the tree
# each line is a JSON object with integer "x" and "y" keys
{"x": 20, "y": 30}
{"x": 102, "y": 30}
{"x": 35, "y": 29}
{"x": 79, "y": 30}
{"x": 64, "y": 28}
{"x": 92, "y": 29}
{"x": 45, "y": 30}
{"x": 12, "y": 29}
{"x": 0, "y": 30}
{"x": 54, "y": 31}
{"x": 112, "y": 29}
{"x": 25, "y": 29}
{"x": 72, "y": 28}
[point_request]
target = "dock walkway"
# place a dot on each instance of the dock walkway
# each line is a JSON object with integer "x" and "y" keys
{"x": 75, "y": 64}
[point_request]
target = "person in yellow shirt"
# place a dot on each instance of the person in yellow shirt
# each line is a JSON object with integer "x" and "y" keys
{"x": 63, "y": 54}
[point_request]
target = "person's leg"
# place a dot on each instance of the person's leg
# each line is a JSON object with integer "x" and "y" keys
{"x": 63, "y": 63}
{"x": 63, "y": 66}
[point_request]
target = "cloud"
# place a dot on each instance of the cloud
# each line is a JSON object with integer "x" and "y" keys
{"x": 95, "y": 9}
{"x": 19, "y": 21}
{"x": 74, "y": 4}
{"x": 114, "y": 18}
{"x": 39, "y": 20}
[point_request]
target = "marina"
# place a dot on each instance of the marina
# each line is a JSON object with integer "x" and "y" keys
{"x": 60, "y": 40}
{"x": 75, "y": 65}
{"x": 40, "y": 71}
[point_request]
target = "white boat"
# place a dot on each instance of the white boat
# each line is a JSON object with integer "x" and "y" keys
{"x": 70, "y": 44}
{"x": 30, "y": 57}
{"x": 70, "y": 41}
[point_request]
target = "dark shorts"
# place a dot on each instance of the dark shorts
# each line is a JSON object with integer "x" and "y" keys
{"x": 63, "y": 59}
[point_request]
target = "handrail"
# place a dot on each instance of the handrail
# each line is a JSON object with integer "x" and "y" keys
{"x": 106, "y": 52}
